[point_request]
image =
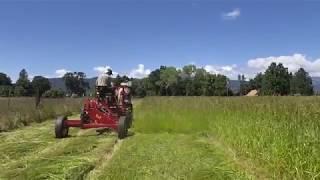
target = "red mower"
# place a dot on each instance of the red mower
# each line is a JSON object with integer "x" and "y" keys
{"x": 113, "y": 112}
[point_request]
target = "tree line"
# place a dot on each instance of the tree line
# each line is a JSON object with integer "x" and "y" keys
{"x": 188, "y": 81}
{"x": 39, "y": 86}
{"x": 169, "y": 81}
{"x": 193, "y": 81}
{"x": 276, "y": 80}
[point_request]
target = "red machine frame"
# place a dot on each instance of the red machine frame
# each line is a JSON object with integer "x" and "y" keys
{"x": 100, "y": 113}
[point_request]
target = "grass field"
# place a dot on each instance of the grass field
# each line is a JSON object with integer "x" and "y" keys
{"x": 278, "y": 137}
{"x": 18, "y": 112}
{"x": 179, "y": 138}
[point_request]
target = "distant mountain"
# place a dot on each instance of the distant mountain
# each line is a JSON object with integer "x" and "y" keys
{"x": 234, "y": 86}
{"x": 58, "y": 83}
{"x": 316, "y": 84}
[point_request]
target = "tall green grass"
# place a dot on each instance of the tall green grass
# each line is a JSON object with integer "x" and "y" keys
{"x": 17, "y": 112}
{"x": 278, "y": 134}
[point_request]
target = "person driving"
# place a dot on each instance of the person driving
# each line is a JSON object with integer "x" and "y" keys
{"x": 104, "y": 84}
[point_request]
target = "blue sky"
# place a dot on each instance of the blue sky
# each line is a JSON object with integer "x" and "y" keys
{"x": 49, "y": 37}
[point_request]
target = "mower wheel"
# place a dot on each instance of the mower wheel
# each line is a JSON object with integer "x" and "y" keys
{"x": 129, "y": 119}
{"x": 122, "y": 127}
{"x": 61, "y": 129}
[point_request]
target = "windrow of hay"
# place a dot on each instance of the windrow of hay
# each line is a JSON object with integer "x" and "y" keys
{"x": 34, "y": 153}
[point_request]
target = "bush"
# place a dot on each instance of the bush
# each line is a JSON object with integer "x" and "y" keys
{"x": 54, "y": 93}
{"x": 6, "y": 91}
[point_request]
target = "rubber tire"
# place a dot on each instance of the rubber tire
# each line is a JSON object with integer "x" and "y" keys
{"x": 130, "y": 117}
{"x": 129, "y": 120}
{"x": 122, "y": 127}
{"x": 61, "y": 130}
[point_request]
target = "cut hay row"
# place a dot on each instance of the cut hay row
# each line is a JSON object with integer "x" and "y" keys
{"x": 33, "y": 153}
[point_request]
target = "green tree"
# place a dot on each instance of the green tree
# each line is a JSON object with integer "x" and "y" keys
{"x": 220, "y": 85}
{"x": 6, "y": 91}
{"x": 187, "y": 76}
{"x": 75, "y": 83}
{"x": 301, "y": 83}
{"x": 138, "y": 87}
{"x": 40, "y": 85}
{"x": 256, "y": 82}
{"x": 153, "y": 84}
{"x": 276, "y": 80}
{"x": 4, "y": 80}
{"x": 23, "y": 84}
{"x": 54, "y": 93}
{"x": 200, "y": 82}
{"x": 217, "y": 85}
{"x": 5, "y": 85}
{"x": 169, "y": 79}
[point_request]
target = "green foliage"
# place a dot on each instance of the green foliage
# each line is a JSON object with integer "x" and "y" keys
{"x": 257, "y": 81}
{"x": 169, "y": 79}
{"x": 189, "y": 81}
{"x": 119, "y": 79}
{"x": 40, "y": 85}
{"x": 193, "y": 81}
{"x": 23, "y": 85}
{"x": 139, "y": 87}
{"x": 301, "y": 83}
{"x": 54, "y": 93}
{"x": 20, "y": 91}
{"x": 276, "y": 80}
{"x": 153, "y": 83}
{"x": 6, "y": 91}
{"x": 217, "y": 85}
{"x": 4, "y": 80}
{"x": 75, "y": 83}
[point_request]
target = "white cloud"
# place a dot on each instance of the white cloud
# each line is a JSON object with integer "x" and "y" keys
{"x": 104, "y": 69}
{"x": 61, "y": 72}
{"x": 231, "y": 71}
{"x": 232, "y": 14}
{"x": 293, "y": 63}
{"x": 101, "y": 69}
{"x": 30, "y": 77}
{"x": 139, "y": 72}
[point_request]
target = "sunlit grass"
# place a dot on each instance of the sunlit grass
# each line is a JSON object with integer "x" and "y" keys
{"x": 280, "y": 134}
{"x": 34, "y": 153}
{"x": 167, "y": 156}
{"x": 18, "y": 112}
